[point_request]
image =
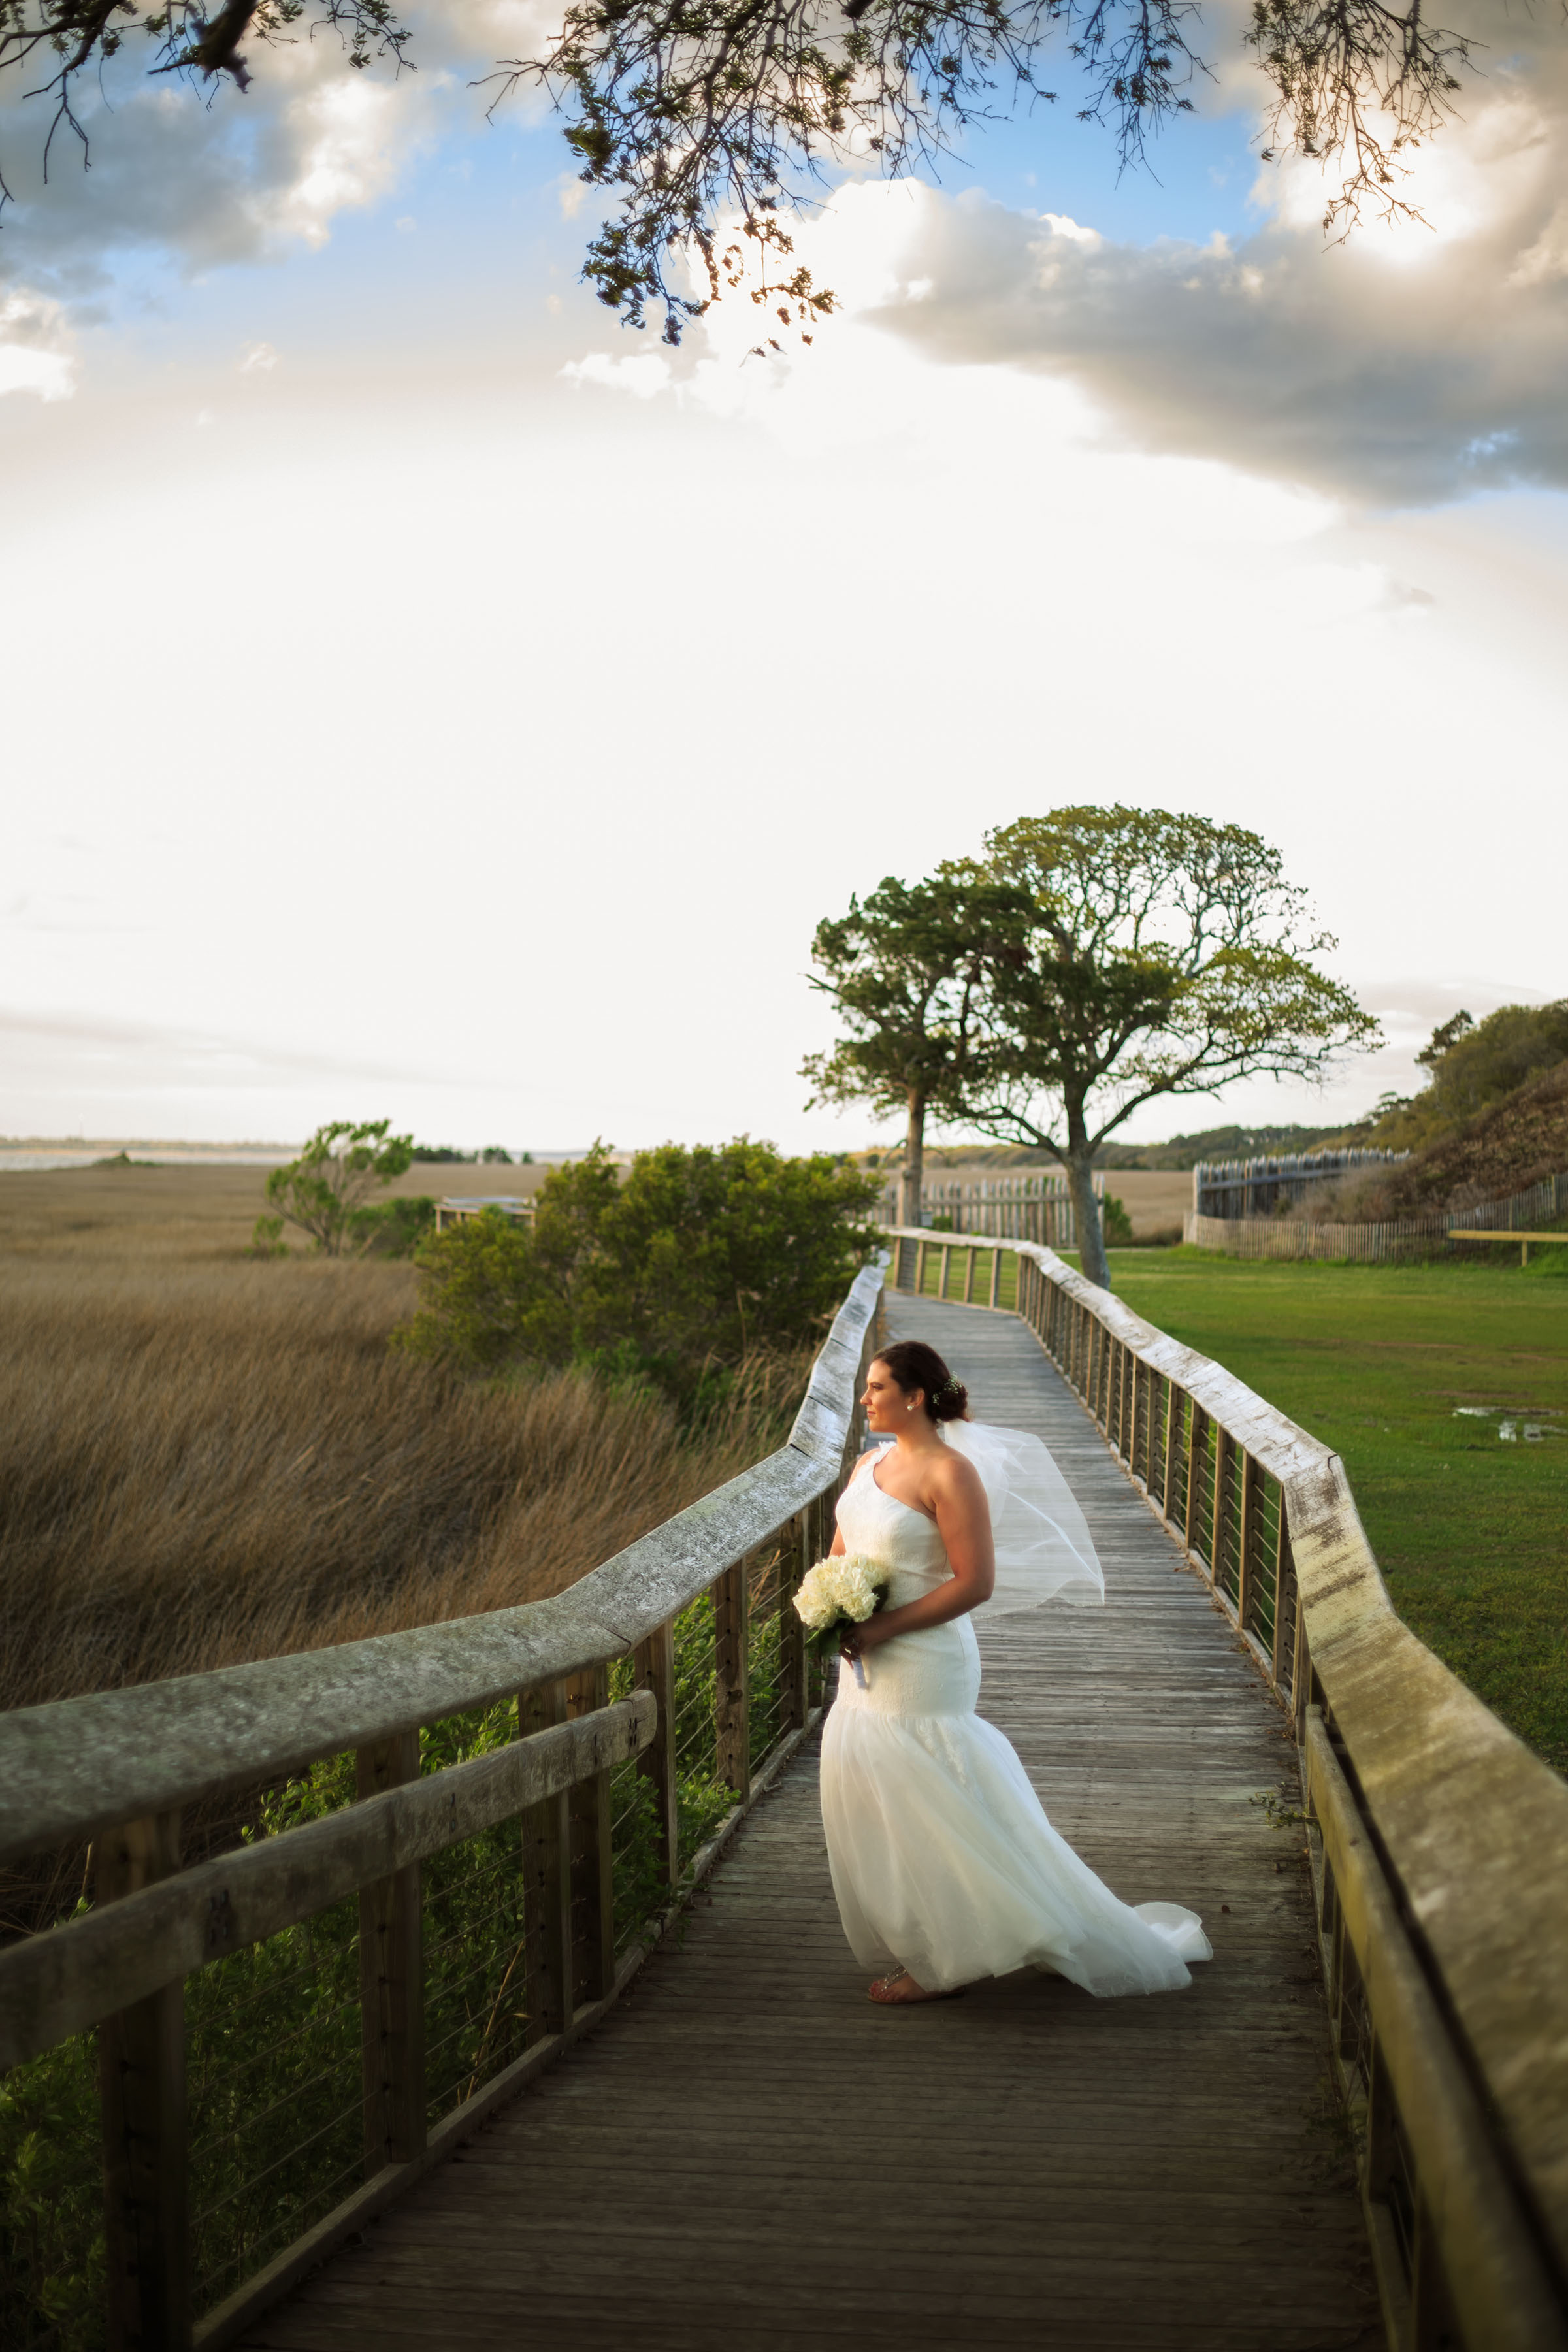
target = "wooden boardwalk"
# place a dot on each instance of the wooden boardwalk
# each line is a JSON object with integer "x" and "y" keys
{"x": 749, "y": 2154}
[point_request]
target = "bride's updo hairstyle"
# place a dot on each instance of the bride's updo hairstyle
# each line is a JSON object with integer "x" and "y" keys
{"x": 913, "y": 1365}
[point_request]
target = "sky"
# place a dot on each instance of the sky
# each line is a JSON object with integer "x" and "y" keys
{"x": 426, "y": 699}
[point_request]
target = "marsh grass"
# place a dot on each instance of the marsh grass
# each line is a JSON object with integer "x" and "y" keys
{"x": 204, "y": 1459}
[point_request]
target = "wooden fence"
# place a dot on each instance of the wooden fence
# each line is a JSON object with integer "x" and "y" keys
{"x": 1394, "y": 1237}
{"x": 1255, "y": 1188}
{"x": 1028, "y": 1208}
{"x": 120, "y": 1766}
{"x": 1439, "y": 1843}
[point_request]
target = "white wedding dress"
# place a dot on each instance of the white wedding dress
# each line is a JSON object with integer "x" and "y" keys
{"x": 943, "y": 1862}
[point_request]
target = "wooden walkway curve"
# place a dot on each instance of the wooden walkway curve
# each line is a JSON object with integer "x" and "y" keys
{"x": 748, "y": 2153}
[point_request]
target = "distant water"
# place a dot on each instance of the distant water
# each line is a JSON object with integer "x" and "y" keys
{"x": 21, "y": 1156}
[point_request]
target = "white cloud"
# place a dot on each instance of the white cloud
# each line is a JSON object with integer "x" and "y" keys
{"x": 643, "y": 376}
{"x": 259, "y": 359}
{"x": 1411, "y": 365}
{"x": 209, "y": 175}
{"x": 35, "y": 352}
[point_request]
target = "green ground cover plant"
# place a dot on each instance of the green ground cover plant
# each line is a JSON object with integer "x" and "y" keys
{"x": 1425, "y": 1379}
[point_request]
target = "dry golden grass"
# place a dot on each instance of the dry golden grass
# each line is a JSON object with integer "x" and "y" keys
{"x": 205, "y": 1459}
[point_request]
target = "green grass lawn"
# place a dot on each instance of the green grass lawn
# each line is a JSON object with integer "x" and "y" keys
{"x": 1471, "y": 1529}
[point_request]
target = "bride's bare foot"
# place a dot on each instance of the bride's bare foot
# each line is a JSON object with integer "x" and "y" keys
{"x": 894, "y": 1991}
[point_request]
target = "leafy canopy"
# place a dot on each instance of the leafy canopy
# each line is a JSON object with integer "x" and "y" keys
{"x": 329, "y": 1191}
{"x": 1162, "y": 955}
{"x": 709, "y": 120}
{"x": 907, "y": 971}
{"x": 696, "y": 1258}
{"x": 1473, "y": 1065}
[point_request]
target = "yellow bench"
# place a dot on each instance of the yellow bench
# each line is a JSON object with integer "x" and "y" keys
{"x": 1503, "y": 1235}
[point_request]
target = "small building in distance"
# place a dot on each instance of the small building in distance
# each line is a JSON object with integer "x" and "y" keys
{"x": 452, "y": 1211}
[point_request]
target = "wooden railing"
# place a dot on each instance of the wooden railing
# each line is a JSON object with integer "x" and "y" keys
{"x": 1439, "y": 1843}
{"x": 119, "y": 1766}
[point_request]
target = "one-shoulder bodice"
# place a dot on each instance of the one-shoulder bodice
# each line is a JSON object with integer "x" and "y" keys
{"x": 885, "y": 1530}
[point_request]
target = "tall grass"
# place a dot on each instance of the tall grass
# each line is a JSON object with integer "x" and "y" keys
{"x": 212, "y": 1467}
{"x": 205, "y": 1459}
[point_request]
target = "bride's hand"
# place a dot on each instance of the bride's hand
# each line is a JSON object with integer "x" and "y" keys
{"x": 860, "y": 1641}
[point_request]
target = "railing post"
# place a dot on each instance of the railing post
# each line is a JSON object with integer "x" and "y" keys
{"x": 1247, "y": 1542}
{"x": 1219, "y": 1523}
{"x": 969, "y": 1264}
{"x": 592, "y": 1880}
{"x": 141, "y": 2087}
{"x": 731, "y": 1727}
{"x": 1172, "y": 1422}
{"x": 793, "y": 1560}
{"x": 997, "y": 1278}
{"x": 941, "y": 1272}
{"x": 654, "y": 1665}
{"x": 547, "y": 1883}
{"x": 1198, "y": 1446}
{"x": 920, "y": 1269}
{"x": 1284, "y": 1590}
{"x": 391, "y": 1978}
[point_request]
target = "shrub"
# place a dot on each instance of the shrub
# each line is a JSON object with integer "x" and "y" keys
{"x": 1115, "y": 1223}
{"x": 697, "y": 1259}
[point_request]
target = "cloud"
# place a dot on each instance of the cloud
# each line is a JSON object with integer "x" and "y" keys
{"x": 208, "y": 175}
{"x": 35, "y": 353}
{"x": 644, "y": 377}
{"x": 1407, "y": 367}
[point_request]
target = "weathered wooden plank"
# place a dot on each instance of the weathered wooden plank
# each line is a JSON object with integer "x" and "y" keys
{"x": 592, "y": 1884}
{"x": 392, "y": 1979}
{"x": 142, "y": 2092}
{"x": 731, "y": 1637}
{"x": 655, "y": 1666}
{"x": 548, "y": 1965}
{"x": 57, "y": 1984}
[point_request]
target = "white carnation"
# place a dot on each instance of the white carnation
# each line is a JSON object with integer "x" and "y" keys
{"x": 840, "y": 1589}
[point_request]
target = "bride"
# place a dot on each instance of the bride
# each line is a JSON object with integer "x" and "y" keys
{"x": 944, "y": 1863}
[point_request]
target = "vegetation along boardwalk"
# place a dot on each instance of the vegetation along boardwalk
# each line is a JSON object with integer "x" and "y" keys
{"x": 748, "y": 2152}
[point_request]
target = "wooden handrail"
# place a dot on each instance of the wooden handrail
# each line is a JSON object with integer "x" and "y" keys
{"x": 117, "y": 1766}
{"x": 77, "y": 1766}
{"x": 1465, "y": 1831}
{"x": 55, "y": 1985}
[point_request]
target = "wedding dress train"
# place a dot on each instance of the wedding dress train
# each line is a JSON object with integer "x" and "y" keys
{"x": 943, "y": 1862}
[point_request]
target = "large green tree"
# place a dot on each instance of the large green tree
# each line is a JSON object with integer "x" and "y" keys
{"x": 1162, "y": 955}
{"x": 906, "y": 969}
{"x": 694, "y": 114}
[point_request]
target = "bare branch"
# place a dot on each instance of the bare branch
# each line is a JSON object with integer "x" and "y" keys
{"x": 1360, "y": 83}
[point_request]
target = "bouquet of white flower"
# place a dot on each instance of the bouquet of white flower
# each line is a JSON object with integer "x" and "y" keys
{"x": 842, "y": 1590}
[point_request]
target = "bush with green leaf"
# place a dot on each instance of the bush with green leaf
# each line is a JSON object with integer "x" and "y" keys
{"x": 1115, "y": 1224}
{"x": 695, "y": 1259}
{"x": 329, "y": 1191}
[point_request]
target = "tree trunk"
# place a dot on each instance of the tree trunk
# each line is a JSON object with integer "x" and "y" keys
{"x": 1086, "y": 1213}
{"x": 912, "y": 1180}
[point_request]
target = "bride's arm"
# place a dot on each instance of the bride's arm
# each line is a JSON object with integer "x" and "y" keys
{"x": 963, "y": 1520}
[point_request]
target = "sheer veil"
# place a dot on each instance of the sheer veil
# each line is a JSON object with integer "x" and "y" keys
{"x": 1044, "y": 1549}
